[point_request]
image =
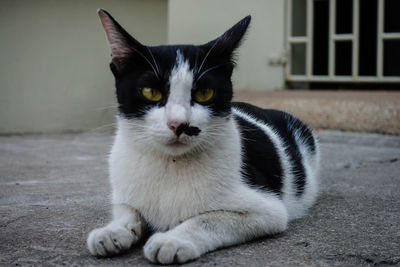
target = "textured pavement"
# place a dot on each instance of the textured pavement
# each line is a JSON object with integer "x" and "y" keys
{"x": 54, "y": 190}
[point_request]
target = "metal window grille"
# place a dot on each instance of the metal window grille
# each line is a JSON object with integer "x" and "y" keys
{"x": 341, "y": 42}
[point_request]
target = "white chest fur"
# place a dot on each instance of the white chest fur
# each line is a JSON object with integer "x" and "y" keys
{"x": 167, "y": 190}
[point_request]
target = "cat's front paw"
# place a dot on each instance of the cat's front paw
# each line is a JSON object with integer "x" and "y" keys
{"x": 110, "y": 240}
{"x": 165, "y": 248}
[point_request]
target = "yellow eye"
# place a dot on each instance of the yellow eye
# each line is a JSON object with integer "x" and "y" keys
{"x": 203, "y": 95}
{"x": 152, "y": 94}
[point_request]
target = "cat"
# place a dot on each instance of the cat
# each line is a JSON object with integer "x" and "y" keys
{"x": 187, "y": 163}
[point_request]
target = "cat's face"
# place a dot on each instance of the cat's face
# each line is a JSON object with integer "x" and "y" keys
{"x": 173, "y": 99}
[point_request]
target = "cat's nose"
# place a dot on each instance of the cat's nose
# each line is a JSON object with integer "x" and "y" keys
{"x": 177, "y": 127}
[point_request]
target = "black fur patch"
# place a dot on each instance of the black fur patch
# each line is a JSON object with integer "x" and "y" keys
{"x": 261, "y": 157}
{"x": 192, "y": 131}
{"x": 188, "y": 130}
{"x": 261, "y": 164}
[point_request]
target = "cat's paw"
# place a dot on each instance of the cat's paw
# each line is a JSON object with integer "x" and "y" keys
{"x": 165, "y": 248}
{"x": 111, "y": 240}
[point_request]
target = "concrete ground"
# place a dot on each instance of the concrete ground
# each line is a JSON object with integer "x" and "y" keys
{"x": 54, "y": 190}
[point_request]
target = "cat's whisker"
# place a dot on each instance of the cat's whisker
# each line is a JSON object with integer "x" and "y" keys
{"x": 106, "y": 108}
{"x": 209, "y": 69}
{"x": 154, "y": 60}
{"x": 138, "y": 127}
{"x": 102, "y": 127}
{"x": 195, "y": 69}
{"x": 148, "y": 61}
{"x": 206, "y": 56}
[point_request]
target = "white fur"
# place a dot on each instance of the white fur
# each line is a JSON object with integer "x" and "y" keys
{"x": 192, "y": 188}
{"x": 192, "y": 194}
{"x": 311, "y": 165}
{"x": 125, "y": 229}
{"x": 181, "y": 80}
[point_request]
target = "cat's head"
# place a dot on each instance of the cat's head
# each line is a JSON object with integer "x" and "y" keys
{"x": 173, "y": 98}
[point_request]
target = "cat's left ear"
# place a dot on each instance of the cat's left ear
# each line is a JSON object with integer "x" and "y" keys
{"x": 230, "y": 40}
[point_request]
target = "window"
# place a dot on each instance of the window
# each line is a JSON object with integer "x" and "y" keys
{"x": 343, "y": 40}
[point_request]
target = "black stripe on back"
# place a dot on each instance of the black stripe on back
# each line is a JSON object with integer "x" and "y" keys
{"x": 285, "y": 125}
{"x": 262, "y": 167}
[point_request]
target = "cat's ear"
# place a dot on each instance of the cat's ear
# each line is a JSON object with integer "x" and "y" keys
{"x": 231, "y": 39}
{"x": 122, "y": 45}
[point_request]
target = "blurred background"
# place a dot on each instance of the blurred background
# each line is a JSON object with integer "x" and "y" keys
{"x": 54, "y": 55}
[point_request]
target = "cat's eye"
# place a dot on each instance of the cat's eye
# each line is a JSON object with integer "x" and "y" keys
{"x": 151, "y": 94}
{"x": 203, "y": 95}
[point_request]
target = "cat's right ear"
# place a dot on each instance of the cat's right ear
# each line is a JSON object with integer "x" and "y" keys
{"x": 122, "y": 45}
{"x": 225, "y": 45}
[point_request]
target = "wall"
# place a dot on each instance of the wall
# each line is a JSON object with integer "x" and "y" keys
{"x": 192, "y": 21}
{"x": 54, "y": 73}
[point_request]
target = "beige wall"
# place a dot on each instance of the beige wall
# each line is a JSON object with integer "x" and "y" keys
{"x": 54, "y": 73}
{"x": 193, "y": 21}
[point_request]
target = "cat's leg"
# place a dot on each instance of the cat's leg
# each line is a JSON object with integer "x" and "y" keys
{"x": 215, "y": 229}
{"x": 125, "y": 229}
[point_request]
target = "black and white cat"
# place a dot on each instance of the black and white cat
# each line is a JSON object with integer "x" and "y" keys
{"x": 190, "y": 165}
